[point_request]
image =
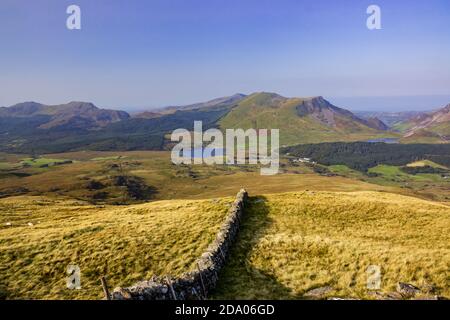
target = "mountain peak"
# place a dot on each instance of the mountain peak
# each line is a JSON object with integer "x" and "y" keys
{"x": 75, "y": 114}
{"x": 317, "y": 98}
{"x": 263, "y": 99}
{"x": 79, "y": 105}
{"x": 238, "y": 95}
{"x": 330, "y": 115}
{"x": 314, "y": 105}
{"x": 266, "y": 94}
{"x": 27, "y": 103}
{"x": 23, "y": 109}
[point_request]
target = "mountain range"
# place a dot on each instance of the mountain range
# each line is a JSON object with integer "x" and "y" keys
{"x": 300, "y": 120}
{"x": 82, "y": 115}
{"x": 34, "y": 127}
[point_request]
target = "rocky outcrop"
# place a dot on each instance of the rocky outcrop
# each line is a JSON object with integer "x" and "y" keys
{"x": 407, "y": 290}
{"x": 196, "y": 284}
{"x": 318, "y": 293}
{"x": 326, "y": 113}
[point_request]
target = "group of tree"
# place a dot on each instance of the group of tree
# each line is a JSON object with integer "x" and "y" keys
{"x": 364, "y": 155}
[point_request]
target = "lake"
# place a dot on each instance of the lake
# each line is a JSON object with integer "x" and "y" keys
{"x": 385, "y": 140}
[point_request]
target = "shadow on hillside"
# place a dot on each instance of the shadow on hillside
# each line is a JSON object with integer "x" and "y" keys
{"x": 239, "y": 279}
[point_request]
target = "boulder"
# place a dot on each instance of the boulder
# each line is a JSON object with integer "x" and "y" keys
{"x": 318, "y": 292}
{"x": 407, "y": 290}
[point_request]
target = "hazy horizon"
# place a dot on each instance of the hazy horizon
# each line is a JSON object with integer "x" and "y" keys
{"x": 149, "y": 54}
{"x": 380, "y": 104}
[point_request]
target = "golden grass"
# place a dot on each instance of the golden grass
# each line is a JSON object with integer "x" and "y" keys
{"x": 294, "y": 242}
{"x": 423, "y": 163}
{"x": 127, "y": 244}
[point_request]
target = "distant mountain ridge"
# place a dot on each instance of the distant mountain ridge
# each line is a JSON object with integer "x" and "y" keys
{"x": 432, "y": 118}
{"x": 81, "y": 115}
{"x": 24, "y": 109}
{"x": 427, "y": 126}
{"x": 211, "y": 104}
{"x": 30, "y": 126}
{"x": 389, "y": 118}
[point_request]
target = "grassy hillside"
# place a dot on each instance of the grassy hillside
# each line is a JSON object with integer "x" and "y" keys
{"x": 424, "y": 136}
{"x": 270, "y": 111}
{"x": 41, "y": 236}
{"x": 293, "y": 242}
{"x": 432, "y": 127}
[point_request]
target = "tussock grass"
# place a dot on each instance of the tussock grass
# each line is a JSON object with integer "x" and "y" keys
{"x": 294, "y": 242}
{"x": 127, "y": 244}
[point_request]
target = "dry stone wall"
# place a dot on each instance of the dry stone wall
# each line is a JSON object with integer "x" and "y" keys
{"x": 197, "y": 284}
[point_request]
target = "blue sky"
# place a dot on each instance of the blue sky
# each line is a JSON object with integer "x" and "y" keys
{"x": 140, "y": 54}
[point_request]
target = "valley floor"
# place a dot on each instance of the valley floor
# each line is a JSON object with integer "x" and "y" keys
{"x": 166, "y": 181}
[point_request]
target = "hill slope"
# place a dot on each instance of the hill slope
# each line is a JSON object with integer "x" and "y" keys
{"x": 376, "y": 123}
{"x": 127, "y": 244}
{"x": 223, "y": 102}
{"x": 427, "y": 127}
{"x": 289, "y": 243}
{"x": 292, "y": 243}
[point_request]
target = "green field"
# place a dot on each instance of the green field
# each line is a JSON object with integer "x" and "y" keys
{"x": 107, "y": 158}
{"x": 7, "y": 166}
{"x": 393, "y": 173}
{"x": 345, "y": 171}
{"x": 40, "y": 162}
